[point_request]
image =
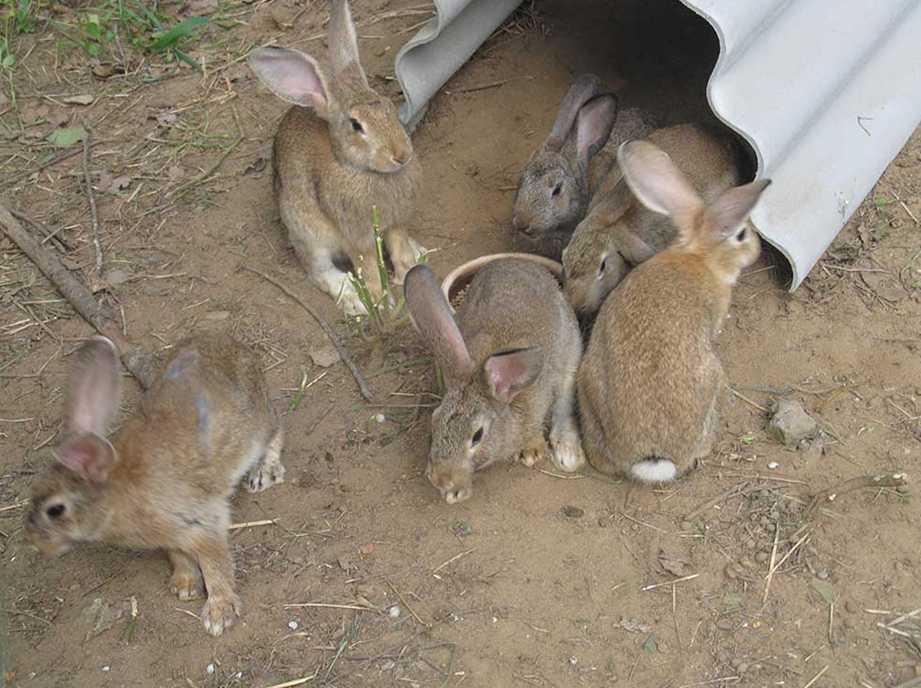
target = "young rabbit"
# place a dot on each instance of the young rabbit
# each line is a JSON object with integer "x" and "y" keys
{"x": 339, "y": 151}
{"x": 619, "y": 232}
{"x": 650, "y": 382}
{"x": 555, "y": 186}
{"x": 509, "y": 361}
{"x": 163, "y": 481}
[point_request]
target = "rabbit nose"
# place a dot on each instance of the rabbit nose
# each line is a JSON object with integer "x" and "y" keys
{"x": 400, "y": 158}
{"x": 521, "y": 226}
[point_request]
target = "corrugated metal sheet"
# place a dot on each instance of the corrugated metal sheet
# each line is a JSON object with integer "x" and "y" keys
{"x": 826, "y": 93}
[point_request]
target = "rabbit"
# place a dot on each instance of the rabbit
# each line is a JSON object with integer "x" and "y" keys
{"x": 555, "y": 186}
{"x": 650, "y": 382}
{"x": 619, "y": 232}
{"x": 163, "y": 481}
{"x": 339, "y": 151}
{"x": 509, "y": 361}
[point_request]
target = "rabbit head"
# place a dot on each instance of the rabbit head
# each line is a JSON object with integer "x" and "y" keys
{"x": 718, "y": 231}
{"x": 65, "y": 501}
{"x": 363, "y": 125}
{"x": 474, "y": 425}
{"x": 553, "y": 192}
{"x": 605, "y": 245}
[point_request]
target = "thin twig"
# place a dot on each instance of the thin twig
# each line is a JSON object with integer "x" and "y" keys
{"x": 722, "y": 496}
{"x": 295, "y": 682}
{"x": 749, "y": 401}
{"x": 326, "y": 605}
{"x": 14, "y": 505}
{"x": 558, "y": 475}
{"x": 90, "y": 194}
{"x": 253, "y": 524}
{"x": 452, "y": 560}
{"x": 817, "y": 676}
{"x": 406, "y": 604}
{"x": 912, "y": 683}
{"x": 858, "y": 483}
{"x": 491, "y": 84}
{"x": 327, "y": 330}
{"x": 647, "y": 588}
{"x": 770, "y": 576}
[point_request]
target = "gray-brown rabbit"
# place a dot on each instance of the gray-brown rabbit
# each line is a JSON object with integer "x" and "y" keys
{"x": 164, "y": 480}
{"x": 339, "y": 151}
{"x": 650, "y": 382}
{"x": 619, "y": 232}
{"x": 509, "y": 362}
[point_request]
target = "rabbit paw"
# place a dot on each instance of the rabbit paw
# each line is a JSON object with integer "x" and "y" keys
{"x": 187, "y": 584}
{"x": 220, "y": 612}
{"x": 265, "y": 474}
{"x": 534, "y": 453}
{"x": 568, "y": 455}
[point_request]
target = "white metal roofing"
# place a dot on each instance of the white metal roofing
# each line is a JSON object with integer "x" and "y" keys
{"x": 826, "y": 93}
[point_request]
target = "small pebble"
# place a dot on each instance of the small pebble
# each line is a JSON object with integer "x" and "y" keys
{"x": 773, "y": 465}
{"x": 380, "y": 417}
{"x": 106, "y": 668}
{"x": 573, "y": 660}
{"x": 292, "y": 625}
{"x": 210, "y": 669}
{"x": 394, "y": 612}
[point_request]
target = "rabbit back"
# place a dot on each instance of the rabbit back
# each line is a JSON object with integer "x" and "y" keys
{"x": 650, "y": 377}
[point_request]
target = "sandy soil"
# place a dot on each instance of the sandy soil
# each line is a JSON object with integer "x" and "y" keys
{"x": 537, "y": 580}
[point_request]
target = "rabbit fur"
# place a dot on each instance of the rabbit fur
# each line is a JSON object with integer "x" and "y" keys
{"x": 650, "y": 382}
{"x": 339, "y": 151}
{"x": 619, "y": 232}
{"x": 509, "y": 361}
{"x": 562, "y": 176}
{"x": 164, "y": 480}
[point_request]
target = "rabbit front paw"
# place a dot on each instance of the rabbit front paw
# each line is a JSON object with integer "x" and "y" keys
{"x": 568, "y": 455}
{"x": 220, "y": 612}
{"x": 186, "y": 584}
{"x": 265, "y": 474}
{"x": 403, "y": 261}
{"x": 534, "y": 453}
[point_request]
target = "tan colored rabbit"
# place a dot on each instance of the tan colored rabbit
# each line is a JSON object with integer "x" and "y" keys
{"x": 165, "y": 479}
{"x": 619, "y": 232}
{"x": 650, "y": 382}
{"x": 509, "y": 361}
{"x": 339, "y": 151}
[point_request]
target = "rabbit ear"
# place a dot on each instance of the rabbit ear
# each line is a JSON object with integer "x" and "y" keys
{"x": 658, "y": 183}
{"x": 731, "y": 209}
{"x": 593, "y": 127}
{"x": 510, "y": 372}
{"x": 95, "y": 387}
{"x": 582, "y": 90}
{"x": 89, "y": 456}
{"x": 432, "y": 317}
{"x": 343, "y": 43}
{"x": 292, "y": 76}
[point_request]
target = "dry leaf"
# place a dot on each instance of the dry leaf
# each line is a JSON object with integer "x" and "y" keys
{"x": 167, "y": 118}
{"x": 367, "y": 549}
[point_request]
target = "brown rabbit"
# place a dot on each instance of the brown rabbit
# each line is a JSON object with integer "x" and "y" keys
{"x": 619, "y": 232}
{"x": 650, "y": 382}
{"x": 165, "y": 479}
{"x": 339, "y": 151}
{"x": 509, "y": 362}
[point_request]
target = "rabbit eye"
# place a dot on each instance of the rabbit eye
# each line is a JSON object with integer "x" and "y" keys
{"x": 55, "y": 511}
{"x": 556, "y": 190}
{"x": 356, "y": 126}
{"x": 603, "y": 266}
{"x": 477, "y": 437}
{"x": 741, "y": 234}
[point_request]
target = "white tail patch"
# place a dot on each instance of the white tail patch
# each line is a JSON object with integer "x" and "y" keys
{"x": 654, "y": 471}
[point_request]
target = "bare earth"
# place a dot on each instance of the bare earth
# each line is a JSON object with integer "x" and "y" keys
{"x": 537, "y": 580}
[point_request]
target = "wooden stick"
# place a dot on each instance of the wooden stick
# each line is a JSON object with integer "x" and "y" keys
{"x": 326, "y": 605}
{"x": 327, "y": 330}
{"x": 646, "y": 588}
{"x": 817, "y": 676}
{"x": 136, "y": 361}
{"x": 295, "y": 682}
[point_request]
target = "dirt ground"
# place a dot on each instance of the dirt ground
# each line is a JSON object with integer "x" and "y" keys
{"x": 537, "y": 580}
